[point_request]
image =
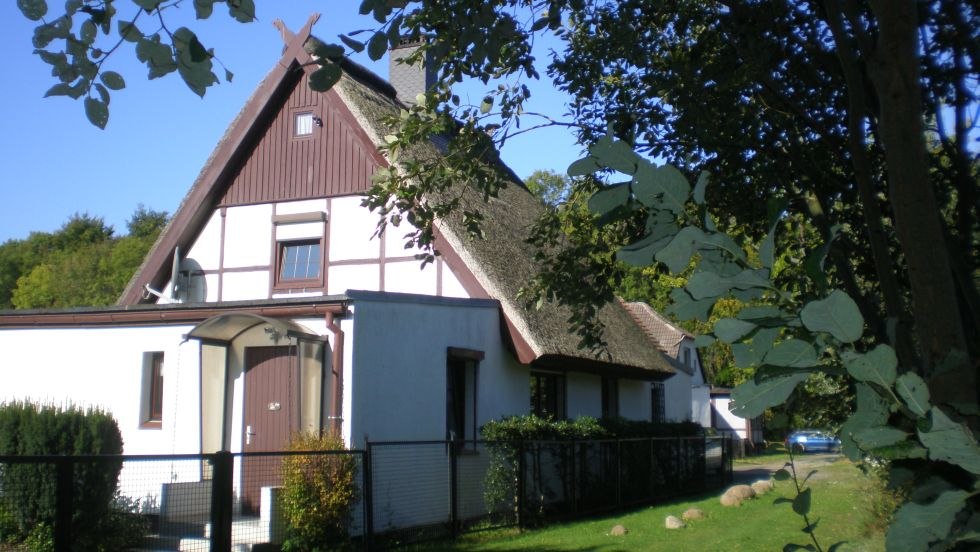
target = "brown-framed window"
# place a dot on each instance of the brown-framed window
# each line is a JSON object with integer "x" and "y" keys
{"x": 658, "y": 410}
{"x": 548, "y": 395}
{"x": 151, "y": 403}
{"x": 299, "y": 263}
{"x": 610, "y": 397}
{"x": 462, "y": 370}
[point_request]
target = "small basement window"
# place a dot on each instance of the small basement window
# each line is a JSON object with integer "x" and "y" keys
{"x": 303, "y": 124}
{"x": 299, "y": 260}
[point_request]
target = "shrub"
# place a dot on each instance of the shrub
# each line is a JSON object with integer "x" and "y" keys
{"x": 30, "y": 489}
{"x": 318, "y": 493}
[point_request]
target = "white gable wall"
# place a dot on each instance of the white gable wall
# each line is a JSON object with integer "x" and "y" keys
{"x": 234, "y": 256}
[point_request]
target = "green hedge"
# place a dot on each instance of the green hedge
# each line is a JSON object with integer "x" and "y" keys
{"x": 532, "y": 428}
{"x": 28, "y": 499}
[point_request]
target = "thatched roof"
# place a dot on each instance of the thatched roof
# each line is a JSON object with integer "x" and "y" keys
{"x": 501, "y": 263}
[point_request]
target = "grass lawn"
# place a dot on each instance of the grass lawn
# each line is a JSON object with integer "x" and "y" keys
{"x": 841, "y": 495}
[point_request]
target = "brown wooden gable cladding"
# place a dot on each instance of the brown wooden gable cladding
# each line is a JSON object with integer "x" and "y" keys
{"x": 338, "y": 158}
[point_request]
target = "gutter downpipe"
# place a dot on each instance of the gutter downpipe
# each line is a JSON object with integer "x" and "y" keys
{"x": 336, "y": 389}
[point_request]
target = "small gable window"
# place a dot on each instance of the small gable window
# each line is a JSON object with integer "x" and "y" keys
{"x": 151, "y": 396}
{"x": 299, "y": 260}
{"x": 303, "y": 124}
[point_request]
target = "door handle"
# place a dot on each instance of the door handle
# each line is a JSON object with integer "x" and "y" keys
{"x": 248, "y": 435}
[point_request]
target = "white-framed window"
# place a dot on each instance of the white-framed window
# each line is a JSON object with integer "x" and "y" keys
{"x": 303, "y": 123}
{"x": 299, "y": 260}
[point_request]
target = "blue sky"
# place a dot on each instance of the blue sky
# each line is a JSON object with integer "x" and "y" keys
{"x": 160, "y": 133}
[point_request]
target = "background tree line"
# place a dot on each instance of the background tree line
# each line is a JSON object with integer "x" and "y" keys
{"x": 81, "y": 264}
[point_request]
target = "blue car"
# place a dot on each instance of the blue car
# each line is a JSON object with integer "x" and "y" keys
{"x": 812, "y": 440}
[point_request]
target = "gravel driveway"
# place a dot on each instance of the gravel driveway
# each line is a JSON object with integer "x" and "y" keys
{"x": 747, "y": 473}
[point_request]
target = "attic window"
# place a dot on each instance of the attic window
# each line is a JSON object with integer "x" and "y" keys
{"x": 303, "y": 124}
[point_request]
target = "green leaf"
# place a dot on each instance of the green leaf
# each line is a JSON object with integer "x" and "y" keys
{"x": 128, "y": 31}
{"x": 707, "y": 284}
{"x": 703, "y": 340}
{"x": 229, "y": 75}
{"x": 801, "y": 504}
{"x": 731, "y": 330}
{"x": 720, "y": 241}
{"x": 660, "y": 187}
{"x": 113, "y": 80}
{"x": 951, "y": 442}
{"x": 486, "y": 105}
{"x": 751, "y": 399}
{"x": 677, "y": 254}
{"x": 871, "y": 411}
{"x": 377, "y": 46}
{"x": 33, "y": 9}
{"x": 609, "y": 198}
{"x": 837, "y": 315}
{"x": 877, "y": 366}
{"x": 641, "y": 253}
{"x": 203, "y": 8}
{"x": 97, "y": 112}
{"x": 699, "y": 188}
{"x": 794, "y": 353}
{"x": 915, "y": 526}
{"x": 60, "y": 89}
{"x": 614, "y": 154}
{"x": 914, "y": 392}
{"x": 355, "y": 45}
{"x": 148, "y": 5}
{"x": 781, "y": 475}
{"x": 88, "y": 32}
{"x": 881, "y": 436}
{"x": 323, "y": 50}
{"x": 767, "y": 250}
{"x": 325, "y": 77}
{"x": 242, "y": 10}
{"x": 685, "y": 307}
{"x": 586, "y": 165}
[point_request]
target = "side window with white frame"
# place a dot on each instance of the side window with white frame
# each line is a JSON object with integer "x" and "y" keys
{"x": 298, "y": 255}
{"x": 151, "y": 393}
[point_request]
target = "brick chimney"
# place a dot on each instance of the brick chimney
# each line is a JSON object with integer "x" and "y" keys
{"x": 409, "y": 80}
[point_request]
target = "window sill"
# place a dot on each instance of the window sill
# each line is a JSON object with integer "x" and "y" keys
{"x": 152, "y": 424}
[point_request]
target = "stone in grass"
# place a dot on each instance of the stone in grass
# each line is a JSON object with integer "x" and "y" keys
{"x": 741, "y": 492}
{"x": 672, "y": 522}
{"x": 762, "y": 487}
{"x": 730, "y": 500}
{"x": 618, "y": 531}
{"x": 692, "y": 514}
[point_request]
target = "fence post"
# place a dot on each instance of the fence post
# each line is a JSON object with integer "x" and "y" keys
{"x": 368, "y": 496}
{"x": 619, "y": 473}
{"x": 453, "y": 498}
{"x": 520, "y": 484}
{"x": 576, "y": 480}
{"x": 221, "y": 501}
{"x": 63, "y": 504}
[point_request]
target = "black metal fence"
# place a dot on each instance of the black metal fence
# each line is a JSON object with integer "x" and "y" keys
{"x": 406, "y": 491}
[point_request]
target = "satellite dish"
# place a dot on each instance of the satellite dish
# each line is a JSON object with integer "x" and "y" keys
{"x": 176, "y": 283}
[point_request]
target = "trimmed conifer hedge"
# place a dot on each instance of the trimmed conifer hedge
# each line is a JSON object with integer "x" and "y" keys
{"x": 28, "y": 491}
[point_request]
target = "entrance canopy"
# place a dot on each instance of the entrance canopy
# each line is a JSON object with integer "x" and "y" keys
{"x": 224, "y": 328}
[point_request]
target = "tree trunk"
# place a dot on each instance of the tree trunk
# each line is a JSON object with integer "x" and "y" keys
{"x": 894, "y": 70}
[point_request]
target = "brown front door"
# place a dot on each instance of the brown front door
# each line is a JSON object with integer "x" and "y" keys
{"x": 270, "y": 416}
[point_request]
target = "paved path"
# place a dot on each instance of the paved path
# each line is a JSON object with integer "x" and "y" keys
{"x": 747, "y": 473}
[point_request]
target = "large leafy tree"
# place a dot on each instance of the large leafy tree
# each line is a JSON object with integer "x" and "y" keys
{"x": 840, "y": 122}
{"x": 81, "y": 264}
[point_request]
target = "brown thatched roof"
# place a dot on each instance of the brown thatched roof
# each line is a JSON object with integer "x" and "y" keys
{"x": 500, "y": 264}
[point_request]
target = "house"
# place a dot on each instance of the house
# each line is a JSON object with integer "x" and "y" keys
{"x": 746, "y": 432}
{"x": 685, "y": 395}
{"x": 265, "y": 307}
